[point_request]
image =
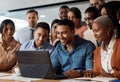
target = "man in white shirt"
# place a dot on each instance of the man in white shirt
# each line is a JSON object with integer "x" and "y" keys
{"x": 26, "y": 34}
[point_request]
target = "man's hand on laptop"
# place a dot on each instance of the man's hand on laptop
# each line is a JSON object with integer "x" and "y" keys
{"x": 72, "y": 74}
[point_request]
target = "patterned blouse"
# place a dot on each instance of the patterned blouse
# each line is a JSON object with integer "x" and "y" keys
{"x": 7, "y": 56}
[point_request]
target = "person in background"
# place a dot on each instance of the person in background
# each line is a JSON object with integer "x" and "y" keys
{"x": 63, "y": 12}
{"x": 8, "y": 46}
{"x": 110, "y": 9}
{"x": 53, "y": 38}
{"x": 91, "y": 13}
{"x": 40, "y": 41}
{"x": 26, "y": 34}
{"x": 74, "y": 14}
{"x": 97, "y": 3}
{"x": 118, "y": 15}
{"x": 73, "y": 55}
{"x": 107, "y": 56}
{"x": 103, "y": 11}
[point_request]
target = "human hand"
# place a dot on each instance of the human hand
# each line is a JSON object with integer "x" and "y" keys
{"x": 90, "y": 73}
{"x": 106, "y": 75}
{"x": 72, "y": 74}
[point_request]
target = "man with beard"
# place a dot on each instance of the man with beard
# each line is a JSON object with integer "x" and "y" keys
{"x": 73, "y": 56}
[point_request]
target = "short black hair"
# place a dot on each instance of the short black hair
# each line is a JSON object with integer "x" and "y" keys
{"x": 43, "y": 25}
{"x": 67, "y": 22}
{"x": 5, "y": 23}
{"x": 64, "y": 6}
{"x": 93, "y": 10}
{"x": 32, "y": 10}
{"x": 76, "y": 11}
{"x": 54, "y": 21}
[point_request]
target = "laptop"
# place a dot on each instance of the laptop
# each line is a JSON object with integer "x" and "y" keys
{"x": 36, "y": 64}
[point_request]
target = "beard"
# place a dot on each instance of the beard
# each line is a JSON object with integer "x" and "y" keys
{"x": 65, "y": 42}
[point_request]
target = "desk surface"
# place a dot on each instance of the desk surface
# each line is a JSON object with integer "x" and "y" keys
{"x": 46, "y": 80}
{"x": 14, "y": 78}
{"x": 3, "y": 80}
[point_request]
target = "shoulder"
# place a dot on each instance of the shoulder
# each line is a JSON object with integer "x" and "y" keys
{"x": 97, "y": 51}
{"x": 82, "y": 41}
{"x": 58, "y": 47}
{"x": 84, "y": 28}
{"x": 25, "y": 28}
{"x": 26, "y": 44}
{"x": 48, "y": 45}
{"x": 15, "y": 43}
{"x": 87, "y": 31}
{"x": 84, "y": 44}
{"x": 22, "y": 30}
{"x": 117, "y": 44}
{"x": 118, "y": 40}
{"x": 86, "y": 34}
{"x": 18, "y": 43}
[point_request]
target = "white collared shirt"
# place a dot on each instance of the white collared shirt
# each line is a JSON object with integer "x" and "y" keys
{"x": 107, "y": 55}
{"x": 88, "y": 35}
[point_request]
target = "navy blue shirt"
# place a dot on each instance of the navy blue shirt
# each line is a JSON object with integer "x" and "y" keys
{"x": 79, "y": 58}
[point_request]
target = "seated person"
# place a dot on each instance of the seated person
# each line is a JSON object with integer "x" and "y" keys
{"x": 8, "y": 46}
{"x": 107, "y": 56}
{"x": 40, "y": 41}
{"x": 74, "y": 14}
{"x": 91, "y": 13}
{"x": 53, "y": 36}
{"x": 72, "y": 55}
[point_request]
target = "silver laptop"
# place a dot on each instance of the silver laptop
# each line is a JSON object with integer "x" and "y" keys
{"x": 36, "y": 64}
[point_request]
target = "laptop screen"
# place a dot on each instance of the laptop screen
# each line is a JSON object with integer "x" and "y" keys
{"x": 35, "y": 64}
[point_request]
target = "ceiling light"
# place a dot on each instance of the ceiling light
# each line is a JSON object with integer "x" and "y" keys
{"x": 42, "y": 16}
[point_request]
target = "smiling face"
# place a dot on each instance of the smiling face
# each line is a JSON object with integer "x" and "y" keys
{"x": 41, "y": 36}
{"x": 103, "y": 11}
{"x": 89, "y": 18}
{"x": 65, "y": 34}
{"x": 63, "y": 13}
{"x": 8, "y": 31}
{"x": 53, "y": 31}
{"x": 100, "y": 32}
{"x": 73, "y": 18}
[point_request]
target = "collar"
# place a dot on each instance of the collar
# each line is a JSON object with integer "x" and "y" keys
{"x": 42, "y": 46}
{"x": 76, "y": 43}
{"x": 111, "y": 44}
